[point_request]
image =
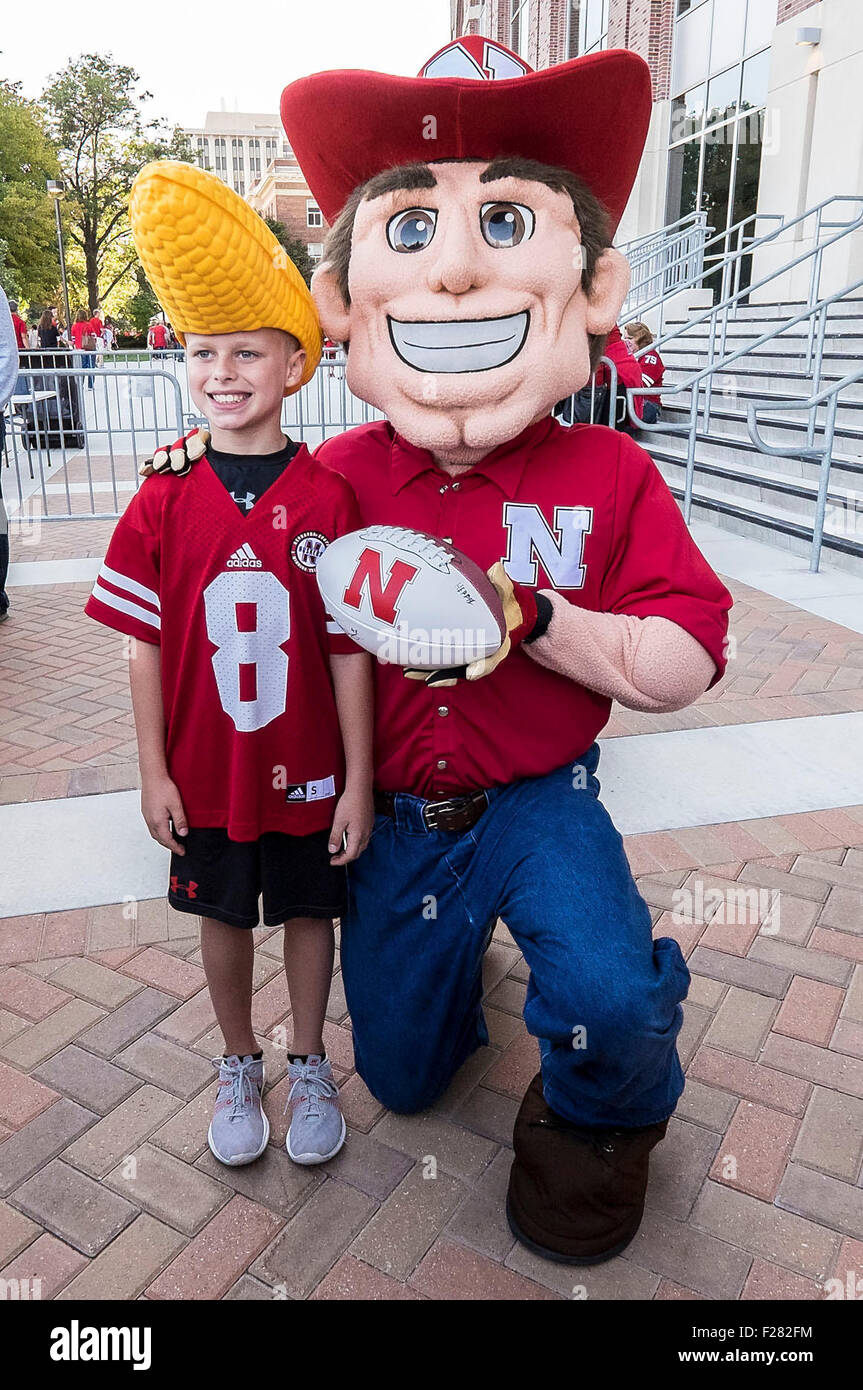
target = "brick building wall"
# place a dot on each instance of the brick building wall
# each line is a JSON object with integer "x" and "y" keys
{"x": 787, "y": 8}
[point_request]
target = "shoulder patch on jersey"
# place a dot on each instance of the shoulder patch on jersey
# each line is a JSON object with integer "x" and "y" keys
{"x": 307, "y": 548}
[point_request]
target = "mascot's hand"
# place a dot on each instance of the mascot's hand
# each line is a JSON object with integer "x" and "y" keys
{"x": 179, "y": 457}
{"x": 522, "y": 619}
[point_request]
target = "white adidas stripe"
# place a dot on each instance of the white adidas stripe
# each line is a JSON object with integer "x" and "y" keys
{"x": 123, "y": 605}
{"x": 131, "y": 586}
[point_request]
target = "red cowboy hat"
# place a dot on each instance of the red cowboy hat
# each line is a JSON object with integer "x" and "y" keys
{"x": 473, "y": 99}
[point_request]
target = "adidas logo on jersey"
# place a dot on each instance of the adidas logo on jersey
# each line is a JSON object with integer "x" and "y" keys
{"x": 245, "y": 559}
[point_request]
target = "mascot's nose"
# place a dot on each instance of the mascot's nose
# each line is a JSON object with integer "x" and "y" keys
{"x": 459, "y": 265}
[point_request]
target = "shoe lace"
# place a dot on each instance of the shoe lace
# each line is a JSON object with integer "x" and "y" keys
{"x": 312, "y": 1088}
{"x": 241, "y": 1084}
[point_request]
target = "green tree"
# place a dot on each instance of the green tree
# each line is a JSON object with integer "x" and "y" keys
{"x": 296, "y": 249}
{"x": 95, "y": 114}
{"x": 29, "y": 265}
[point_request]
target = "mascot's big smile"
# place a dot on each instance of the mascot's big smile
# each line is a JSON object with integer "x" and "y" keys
{"x": 460, "y": 345}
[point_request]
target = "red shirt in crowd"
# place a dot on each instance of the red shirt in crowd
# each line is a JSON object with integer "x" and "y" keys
{"x": 20, "y": 331}
{"x": 252, "y": 733}
{"x": 652, "y": 372}
{"x": 79, "y": 330}
{"x": 158, "y": 336}
{"x": 582, "y": 510}
{"x": 628, "y": 369}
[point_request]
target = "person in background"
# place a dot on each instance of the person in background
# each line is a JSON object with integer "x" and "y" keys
{"x": 157, "y": 338}
{"x": 639, "y": 336}
{"x": 109, "y": 334}
{"x": 8, "y": 377}
{"x": 33, "y": 332}
{"x": 83, "y": 341}
{"x": 47, "y": 332}
{"x": 628, "y": 374}
{"x": 20, "y": 327}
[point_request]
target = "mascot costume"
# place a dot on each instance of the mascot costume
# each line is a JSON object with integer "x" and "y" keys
{"x": 470, "y": 275}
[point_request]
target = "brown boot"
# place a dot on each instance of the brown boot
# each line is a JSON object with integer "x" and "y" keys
{"x": 575, "y": 1194}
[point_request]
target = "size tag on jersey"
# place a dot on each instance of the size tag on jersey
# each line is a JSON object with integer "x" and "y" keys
{"x": 311, "y": 791}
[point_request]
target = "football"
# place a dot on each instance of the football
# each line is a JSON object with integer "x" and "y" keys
{"x": 410, "y": 599}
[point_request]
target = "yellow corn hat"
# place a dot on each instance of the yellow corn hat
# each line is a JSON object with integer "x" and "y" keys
{"x": 214, "y": 264}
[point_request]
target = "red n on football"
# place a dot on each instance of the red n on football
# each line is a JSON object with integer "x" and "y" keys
{"x": 410, "y": 598}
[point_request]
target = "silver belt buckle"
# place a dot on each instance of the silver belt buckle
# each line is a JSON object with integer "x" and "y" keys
{"x": 433, "y": 809}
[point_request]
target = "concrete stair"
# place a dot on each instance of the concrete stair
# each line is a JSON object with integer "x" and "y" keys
{"x": 736, "y": 485}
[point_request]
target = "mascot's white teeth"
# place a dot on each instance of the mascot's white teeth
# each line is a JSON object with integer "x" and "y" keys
{"x": 460, "y": 345}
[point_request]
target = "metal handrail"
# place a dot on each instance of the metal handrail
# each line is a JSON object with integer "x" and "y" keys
{"x": 829, "y": 395}
{"x": 706, "y": 373}
{"x": 731, "y": 261}
{"x": 636, "y": 243}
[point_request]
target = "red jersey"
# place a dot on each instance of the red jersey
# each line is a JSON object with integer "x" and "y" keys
{"x": 252, "y": 733}
{"x": 158, "y": 336}
{"x": 20, "y": 332}
{"x": 628, "y": 369}
{"x": 652, "y": 372}
{"x": 582, "y": 510}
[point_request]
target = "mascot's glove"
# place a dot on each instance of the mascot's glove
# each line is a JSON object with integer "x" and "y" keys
{"x": 527, "y": 615}
{"x": 179, "y": 457}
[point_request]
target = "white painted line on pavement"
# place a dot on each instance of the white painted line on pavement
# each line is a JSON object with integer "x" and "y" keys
{"x": 88, "y": 850}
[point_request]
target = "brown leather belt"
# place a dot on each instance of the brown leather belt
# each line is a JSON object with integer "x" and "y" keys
{"x": 458, "y": 813}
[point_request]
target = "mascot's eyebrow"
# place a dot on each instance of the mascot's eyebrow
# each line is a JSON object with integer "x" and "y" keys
{"x": 403, "y": 179}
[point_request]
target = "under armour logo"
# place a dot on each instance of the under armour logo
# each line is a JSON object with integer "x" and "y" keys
{"x": 187, "y": 888}
{"x": 247, "y": 501}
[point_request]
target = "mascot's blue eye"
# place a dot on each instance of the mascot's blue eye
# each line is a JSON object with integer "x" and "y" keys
{"x": 411, "y": 230}
{"x": 505, "y": 224}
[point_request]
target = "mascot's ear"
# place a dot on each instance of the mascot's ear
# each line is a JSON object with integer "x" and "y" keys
{"x": 607, "y": 292}
{"x": 334, "y": 313}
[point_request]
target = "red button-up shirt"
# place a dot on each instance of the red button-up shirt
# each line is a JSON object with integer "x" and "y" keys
{"x": 581, "y": 510}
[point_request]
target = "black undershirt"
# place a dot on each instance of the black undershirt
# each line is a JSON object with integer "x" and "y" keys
{"x": 247, "y": 476}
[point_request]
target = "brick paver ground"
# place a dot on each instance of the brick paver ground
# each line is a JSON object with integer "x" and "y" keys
{"x": 107, "y": 1188}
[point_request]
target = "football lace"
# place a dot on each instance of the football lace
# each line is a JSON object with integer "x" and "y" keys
{"x": 425, "y": 547}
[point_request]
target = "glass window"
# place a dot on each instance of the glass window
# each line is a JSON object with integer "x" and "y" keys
{"x": 687, "y": 113}
{"x": 760, "y": 23}
{"x": 691, "y": 39}
{"x": 255, "y": 158}
{"x": 592, "y": 25}
{"x": 726, "y": 43}
{"x": 684, "y": 5}
{"x": 756, "y": 72}
{"x": 519, "y": 26}
{"x": 203, "y": 153}
{"x": 716, "y": 174}
{"x": 722, "y": 96}
{"x": 272, "y": 147}
{"x": 315, "y": 249}
{"x": 682, "y": 196}
{"x": 221, "y": 156}
{"x": 314, "y": 216}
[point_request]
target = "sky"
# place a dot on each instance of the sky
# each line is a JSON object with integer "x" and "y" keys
{"x": 194, "y": 54}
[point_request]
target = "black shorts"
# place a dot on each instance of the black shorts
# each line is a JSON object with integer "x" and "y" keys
{"x": 223, "y": 878}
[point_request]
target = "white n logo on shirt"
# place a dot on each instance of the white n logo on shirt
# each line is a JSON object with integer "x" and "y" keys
{"x": 561, "y": 551}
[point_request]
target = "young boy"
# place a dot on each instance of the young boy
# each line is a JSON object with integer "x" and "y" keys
{"x": 252, "y": 711}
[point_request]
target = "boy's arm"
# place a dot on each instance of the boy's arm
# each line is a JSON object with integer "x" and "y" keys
{"x": 352, "y": 684}
{"x": 160, "y": 800}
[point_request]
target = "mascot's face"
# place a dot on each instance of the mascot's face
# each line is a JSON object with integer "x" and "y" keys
{"x": 468, "y": 319}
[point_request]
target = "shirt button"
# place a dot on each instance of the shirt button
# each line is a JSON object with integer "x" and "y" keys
{"x": 456, "y": 486}
{"x": 448, "y": 540}
{"x": 443, "y": 709}
{"x": 441, "y": 764}
{"x": 445, "y": 488}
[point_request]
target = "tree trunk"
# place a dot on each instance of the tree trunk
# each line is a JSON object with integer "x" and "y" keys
{"x": 91, "y": 262}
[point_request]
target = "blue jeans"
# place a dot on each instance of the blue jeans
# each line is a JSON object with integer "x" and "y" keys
{"x": 603, "y": 998}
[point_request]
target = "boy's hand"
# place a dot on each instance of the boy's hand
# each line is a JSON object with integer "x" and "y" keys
{"x": 354, "y": 814}
{"x": 160, "y": 805}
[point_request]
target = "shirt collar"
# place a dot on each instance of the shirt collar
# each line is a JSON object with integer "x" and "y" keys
{"x": 503, "y": 466}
